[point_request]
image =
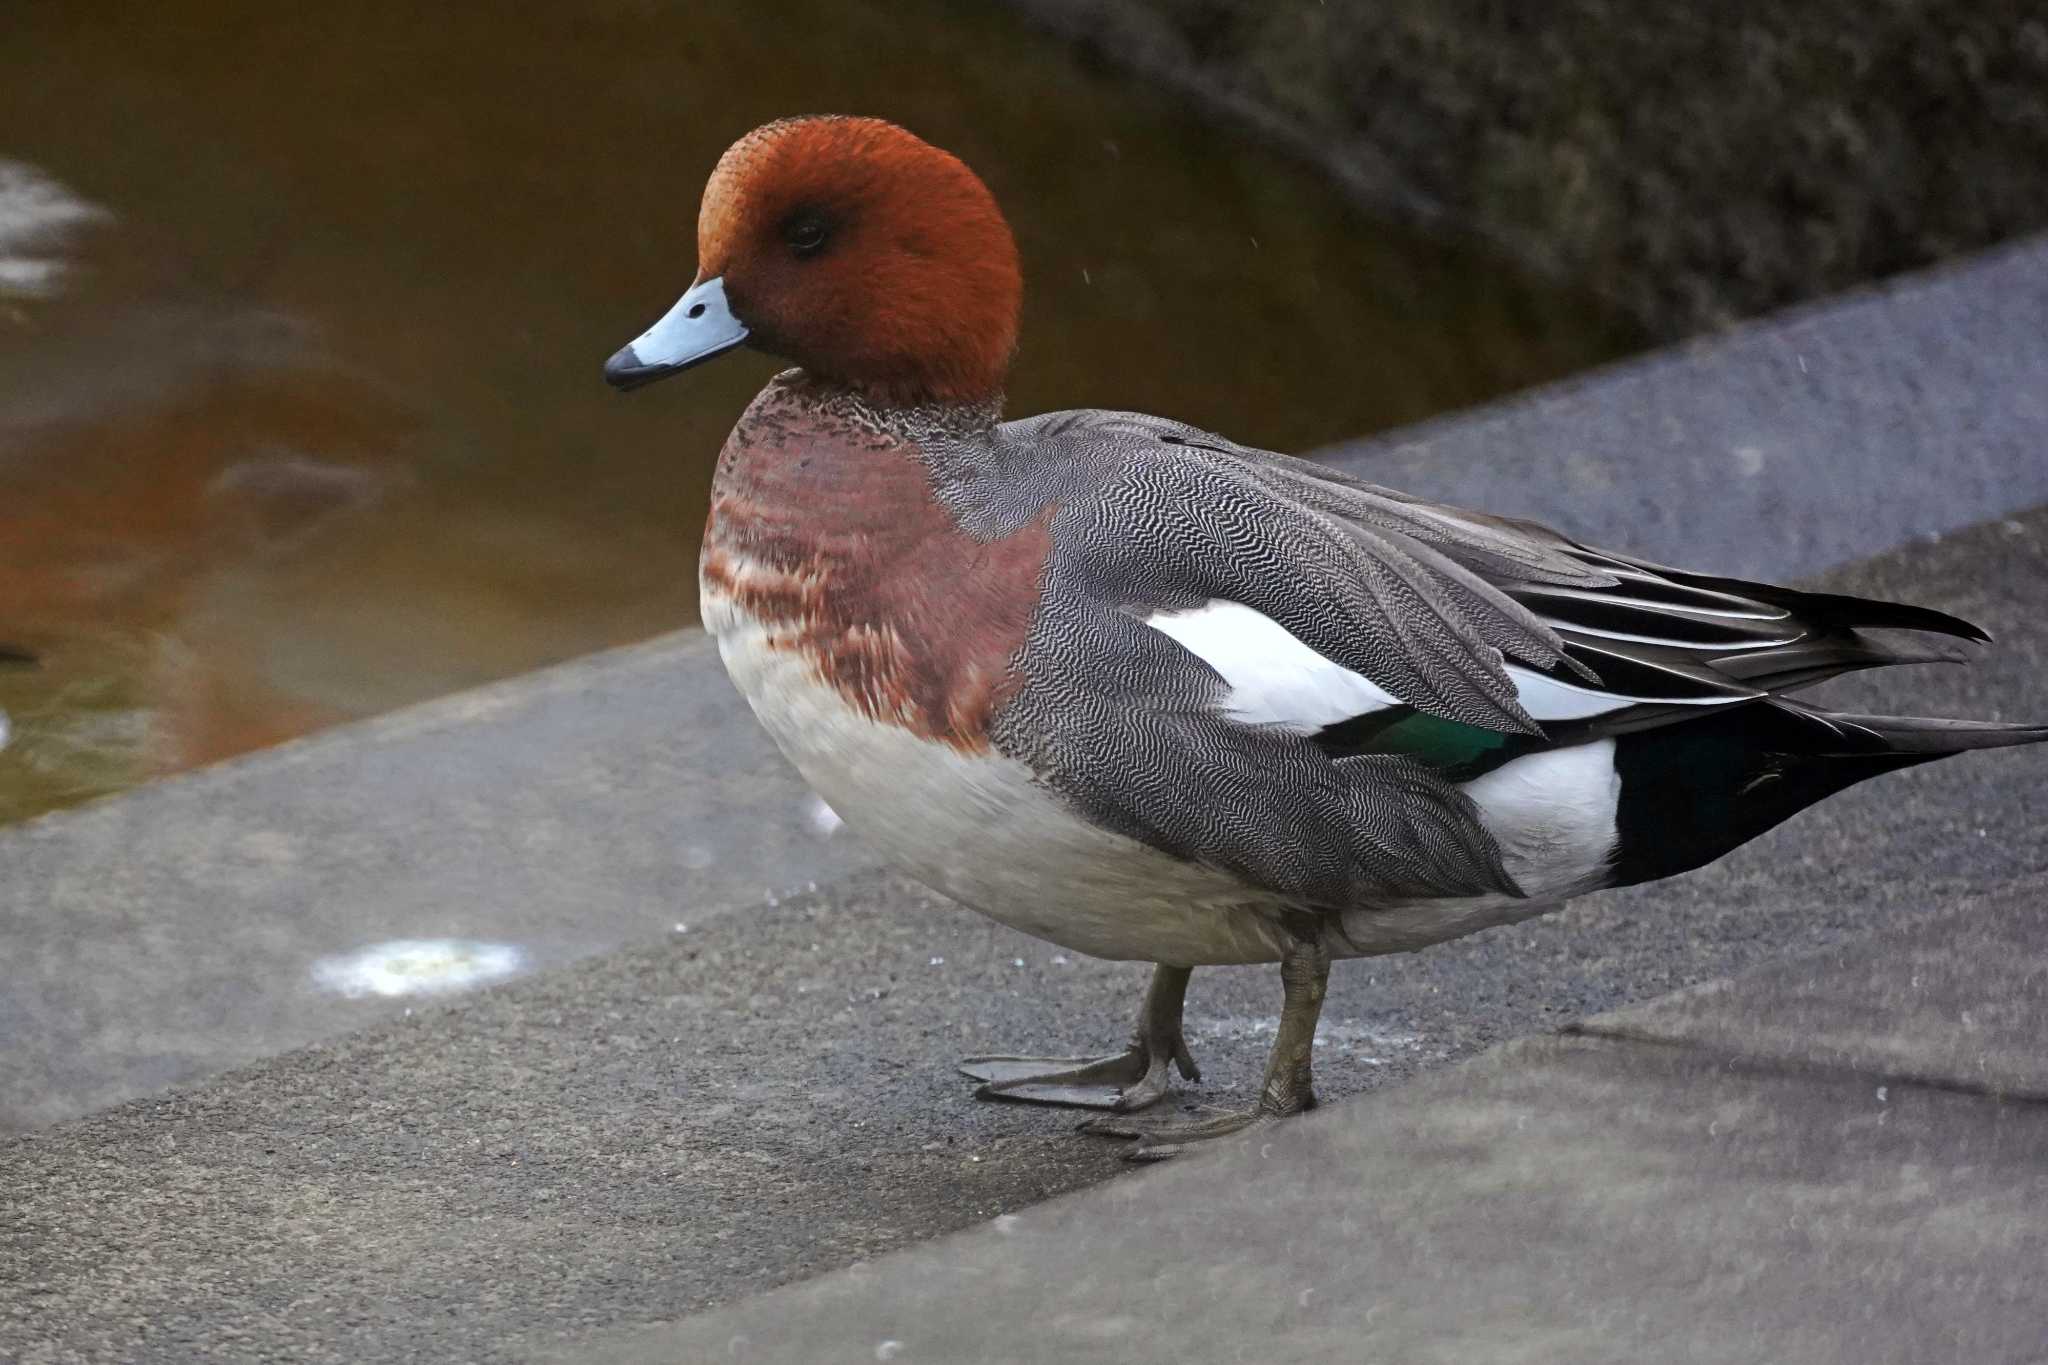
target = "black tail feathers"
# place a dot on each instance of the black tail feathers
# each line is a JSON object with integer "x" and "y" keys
{"x": 1693, "y": 791}
{"x": 1928, "y": 736}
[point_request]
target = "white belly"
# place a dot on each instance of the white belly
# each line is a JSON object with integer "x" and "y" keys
{"x": 978, "y": 828}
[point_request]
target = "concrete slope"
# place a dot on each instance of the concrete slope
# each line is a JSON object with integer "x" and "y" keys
{"x": 769, "y": 1095}
{"x": 174, "y": 931}
{"x": 1582, "y": 1199}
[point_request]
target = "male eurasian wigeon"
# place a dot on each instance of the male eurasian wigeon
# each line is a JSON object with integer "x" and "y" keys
{"x": 1148, "y": 694}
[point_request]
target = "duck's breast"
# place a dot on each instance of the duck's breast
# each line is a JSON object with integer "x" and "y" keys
{"x": 831, "y": 538}
{"x": 876, "y": 641}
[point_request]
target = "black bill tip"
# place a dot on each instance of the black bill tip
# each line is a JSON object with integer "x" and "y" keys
{"x": 625, "y": 371}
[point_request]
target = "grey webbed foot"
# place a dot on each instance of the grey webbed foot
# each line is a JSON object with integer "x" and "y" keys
{"x": 1132, "y": 1079}
{"x": 1160, "y": 1138}
{"x": 1304, "y": 975}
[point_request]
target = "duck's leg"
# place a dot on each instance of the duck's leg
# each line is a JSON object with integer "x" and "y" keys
{"x": 1304, "y": 976}
{"x": 1132, "y": 1079}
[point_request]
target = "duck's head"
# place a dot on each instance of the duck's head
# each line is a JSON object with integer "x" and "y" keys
{"x": 862, "y": 253}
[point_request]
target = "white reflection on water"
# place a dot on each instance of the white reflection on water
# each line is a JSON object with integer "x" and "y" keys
{"x": 36, "y": 215}
{"x": 416, "y": 966}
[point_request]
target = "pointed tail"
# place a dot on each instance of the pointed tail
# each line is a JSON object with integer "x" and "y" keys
{"x": 1694, "y": 790}
{"x": 1932, "y": 737}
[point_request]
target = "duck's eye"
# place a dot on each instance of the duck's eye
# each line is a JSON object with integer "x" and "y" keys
{"x": 806, "y": 235}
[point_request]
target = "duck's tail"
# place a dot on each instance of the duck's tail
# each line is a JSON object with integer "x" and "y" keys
{"x": 1930, "y": 737}
{"x": 15, "y": 654}
{"x": 1693, "y": 791}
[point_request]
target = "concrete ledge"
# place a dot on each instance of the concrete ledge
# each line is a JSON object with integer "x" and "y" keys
{"x": 168, "y": 933}
{"x": 676, "y": 1125}
{"x": 1959, "y": 1000}
{"x": 1560, "y": 1200}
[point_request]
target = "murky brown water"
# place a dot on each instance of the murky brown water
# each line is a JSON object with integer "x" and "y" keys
{"x": 311, "y": 425}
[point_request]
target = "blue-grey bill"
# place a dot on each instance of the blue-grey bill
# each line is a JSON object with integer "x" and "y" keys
{"x": 700, "y": 326}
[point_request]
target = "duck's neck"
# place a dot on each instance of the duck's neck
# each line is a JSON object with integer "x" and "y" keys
{"x": 917, "y": 420}
{"x": 818, "y": 469}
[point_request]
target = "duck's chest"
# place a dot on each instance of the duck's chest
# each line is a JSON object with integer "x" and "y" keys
{"x": 876, "y": 643}
{"x": 875, "y": 639}
{"x": 828, "y": 548}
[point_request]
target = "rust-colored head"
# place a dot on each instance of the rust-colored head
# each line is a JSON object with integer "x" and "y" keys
{"x": 866, "y": 255}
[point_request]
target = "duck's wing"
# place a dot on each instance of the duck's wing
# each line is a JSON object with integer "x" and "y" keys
{"x": 1392, "y": 590}
{"x": 1645, "y": 643}
{"x": 1457, "y": 612}
{"x": 1263, "y": 663}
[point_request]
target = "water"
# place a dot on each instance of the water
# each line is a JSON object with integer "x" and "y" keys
{"x": 302, "y": 315}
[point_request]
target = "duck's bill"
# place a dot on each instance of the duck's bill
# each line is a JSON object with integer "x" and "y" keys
{"x": 700, "y": 326}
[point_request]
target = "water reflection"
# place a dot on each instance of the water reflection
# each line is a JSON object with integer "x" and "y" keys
{"x": 300, "y": 416}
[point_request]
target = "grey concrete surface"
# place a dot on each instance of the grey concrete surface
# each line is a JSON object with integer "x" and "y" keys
{"x": 1959, "y": 999}
{"x": 171, "y": 932}
{"x": 166, "y": 934}
{"x": 769, "y": 1096}
{"x": 1780, "y": 450}
{"x": 1562, "y": 1200}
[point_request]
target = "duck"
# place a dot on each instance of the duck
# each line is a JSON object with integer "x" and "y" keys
{"x": 1151, "y": 695}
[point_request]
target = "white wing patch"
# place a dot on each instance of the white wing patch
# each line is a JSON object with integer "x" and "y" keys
{"x": 1552, "y": 813}
{"x": 1274, "y": 678}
